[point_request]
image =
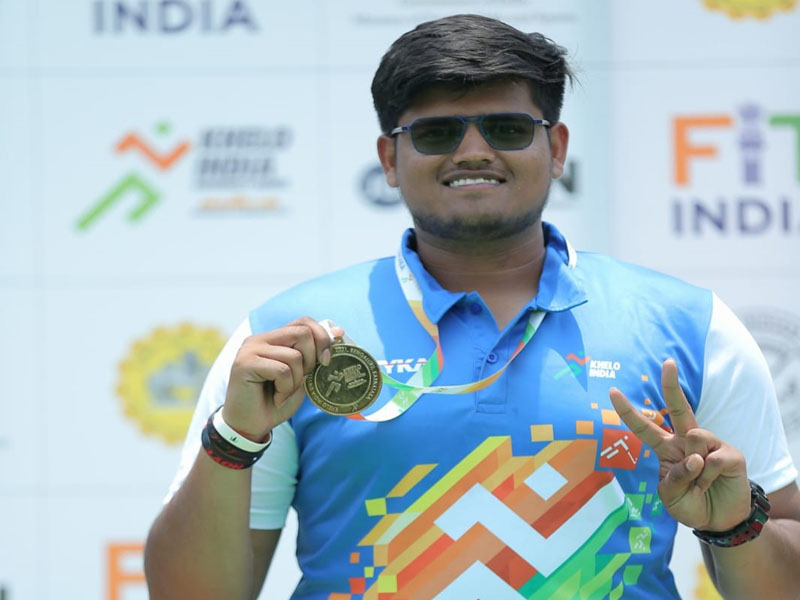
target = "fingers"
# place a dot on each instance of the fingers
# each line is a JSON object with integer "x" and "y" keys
{"x": 322, "y": 337}
{"x": 680, "y": 411}
{"x": 647, "y": 431}
{"x": 719, "y": 459}
{"x": 708, "y": 462}
{"x": 698, "y": 468}
{"x": 285, "y": 355}
{"x": 266, "y": 383}
{"x": 292, "y": 402}
{"x": 701, "y": 442}
{"x": 679, "y": 479}
{"x": 641, "y": 422}
{"x": 702, "y": 480}
{"x": 282, "y": 369}
{"x": 306, "y": 335}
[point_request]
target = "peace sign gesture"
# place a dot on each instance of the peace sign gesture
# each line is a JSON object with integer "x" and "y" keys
{"x": 702, "y": 480}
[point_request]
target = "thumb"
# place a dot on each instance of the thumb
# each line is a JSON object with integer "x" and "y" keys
{"x": 680, "y": 478}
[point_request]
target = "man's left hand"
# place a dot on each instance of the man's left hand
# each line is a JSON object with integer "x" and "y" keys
{"x": 702, "y": 480}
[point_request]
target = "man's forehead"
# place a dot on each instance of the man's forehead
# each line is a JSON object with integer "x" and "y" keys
{"x": 450, "y": 92}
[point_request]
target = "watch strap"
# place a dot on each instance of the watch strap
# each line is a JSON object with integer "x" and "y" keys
{"x": 747, "y": 530}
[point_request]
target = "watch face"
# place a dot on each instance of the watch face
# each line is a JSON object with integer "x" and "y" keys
{"x": 759, "y": 497}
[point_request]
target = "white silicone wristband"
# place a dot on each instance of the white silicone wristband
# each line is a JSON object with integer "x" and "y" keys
{"x": 234, "y": 437}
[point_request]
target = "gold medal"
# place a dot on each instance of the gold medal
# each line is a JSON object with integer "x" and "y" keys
{"x": 350, "y": 383}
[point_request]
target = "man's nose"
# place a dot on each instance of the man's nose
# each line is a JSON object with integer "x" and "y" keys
{"x": 473, "y": 147}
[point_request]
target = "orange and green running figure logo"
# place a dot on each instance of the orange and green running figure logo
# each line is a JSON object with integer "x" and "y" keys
{"x": 134, "y": 187}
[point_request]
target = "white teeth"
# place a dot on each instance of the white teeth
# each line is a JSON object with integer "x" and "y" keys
{"x": 475, "y": 181}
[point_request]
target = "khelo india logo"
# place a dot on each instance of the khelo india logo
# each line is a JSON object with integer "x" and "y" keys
{"x": 759, "y": 9}
{"x": 161, "y": 377}
{"x": 134, "y": 183}
{"x": 231, "y": 169}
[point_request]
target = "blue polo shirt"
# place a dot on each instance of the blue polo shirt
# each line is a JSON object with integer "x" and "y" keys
{"x": 529, "y": 488}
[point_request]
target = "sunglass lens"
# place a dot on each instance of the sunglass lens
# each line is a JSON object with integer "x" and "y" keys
{"x": 436, "y": 135}
{"x": 508, "y": 131}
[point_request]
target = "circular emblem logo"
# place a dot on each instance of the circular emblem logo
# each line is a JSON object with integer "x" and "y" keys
{"x": 161, "y": 377}
{"x": 778, "y": 335}
{"x": 760, "y": 9}
{"x": 377, "y": 191}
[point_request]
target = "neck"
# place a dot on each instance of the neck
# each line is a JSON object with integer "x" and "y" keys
{"x": 504, "y": 272}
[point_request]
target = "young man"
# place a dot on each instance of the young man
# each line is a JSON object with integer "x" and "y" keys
{"x": 501, "y": 469}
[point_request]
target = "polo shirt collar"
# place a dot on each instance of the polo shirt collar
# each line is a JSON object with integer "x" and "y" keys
{"x": 559, "y": 286}
{"x": 436, "y": 300}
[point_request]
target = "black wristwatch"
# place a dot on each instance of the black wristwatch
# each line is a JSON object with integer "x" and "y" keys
{"x": 747, "y": 530}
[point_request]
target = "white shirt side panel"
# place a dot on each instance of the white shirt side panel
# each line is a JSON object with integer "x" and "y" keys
{"x": 274, "y": 475}
{"x": 738, "y": 401}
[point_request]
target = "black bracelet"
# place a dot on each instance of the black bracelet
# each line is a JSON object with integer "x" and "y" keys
{"x": 223, "y": 452}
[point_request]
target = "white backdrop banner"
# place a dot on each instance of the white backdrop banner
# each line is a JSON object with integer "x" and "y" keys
{"x": 169, "y": 164}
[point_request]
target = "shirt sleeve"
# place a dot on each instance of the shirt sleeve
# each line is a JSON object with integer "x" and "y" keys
{"x": 274, "y": 475}
{"x": 738, "y": 401}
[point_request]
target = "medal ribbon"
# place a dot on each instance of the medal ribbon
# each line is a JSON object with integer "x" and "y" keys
{"x": 420, "y": 382}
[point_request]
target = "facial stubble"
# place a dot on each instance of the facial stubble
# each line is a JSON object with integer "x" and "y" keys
{"x": 486, "y": 227}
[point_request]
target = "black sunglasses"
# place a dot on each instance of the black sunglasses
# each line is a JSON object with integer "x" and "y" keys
{"x": 502, "y": 131}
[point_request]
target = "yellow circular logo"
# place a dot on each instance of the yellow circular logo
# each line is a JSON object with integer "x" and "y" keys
{"x": 161, "y": 377}
{"x": 760, "y": 9}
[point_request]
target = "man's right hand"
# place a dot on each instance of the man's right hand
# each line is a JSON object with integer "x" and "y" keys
{"x": 266, "y": 383}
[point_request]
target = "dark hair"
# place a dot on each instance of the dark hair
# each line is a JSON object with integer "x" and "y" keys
{"x": 464, "y": 51}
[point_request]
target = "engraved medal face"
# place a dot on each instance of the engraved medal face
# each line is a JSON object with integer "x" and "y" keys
{"x": 350, "y": 383}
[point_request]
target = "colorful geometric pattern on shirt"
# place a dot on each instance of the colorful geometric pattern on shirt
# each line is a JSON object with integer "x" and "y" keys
{"x": 505, "y": 527}
{"x": 576, "y": 363}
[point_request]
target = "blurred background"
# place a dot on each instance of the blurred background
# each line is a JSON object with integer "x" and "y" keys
{"x": 165, "y": 166}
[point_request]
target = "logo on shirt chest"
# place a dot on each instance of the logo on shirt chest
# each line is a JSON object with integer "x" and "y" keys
{"x": 578, "y": 363}
{"x": 604, "y": 369}
{"x": 396, "y": 366}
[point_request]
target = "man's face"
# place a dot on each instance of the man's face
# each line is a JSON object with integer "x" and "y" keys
{"x": 475, "y": 192}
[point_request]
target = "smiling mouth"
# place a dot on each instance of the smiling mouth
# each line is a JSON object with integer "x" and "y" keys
{"x": 465, "y": 181}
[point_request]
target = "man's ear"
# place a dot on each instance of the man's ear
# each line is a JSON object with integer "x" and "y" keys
{"x": 387, "y": 153}
{"x": 559, "y": 140}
